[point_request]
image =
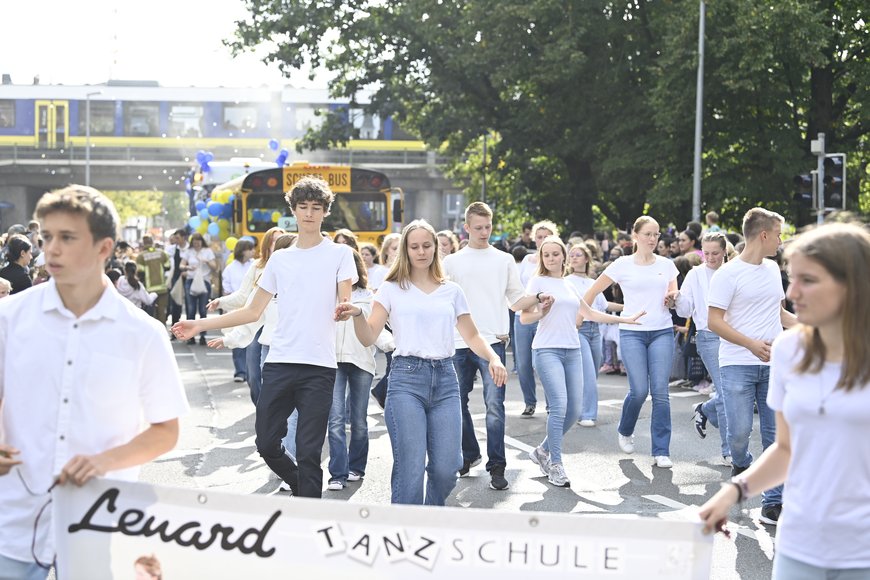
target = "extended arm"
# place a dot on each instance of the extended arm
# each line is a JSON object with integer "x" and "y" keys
{"x": 251, "y": 312}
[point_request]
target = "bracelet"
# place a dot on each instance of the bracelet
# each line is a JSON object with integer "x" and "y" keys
{"x": 736, "y": 486}
{"x": 538, "y": 296}
{"x": 742, "y": 485}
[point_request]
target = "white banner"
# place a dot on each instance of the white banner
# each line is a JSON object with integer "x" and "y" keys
{"x": 105, "y": 527}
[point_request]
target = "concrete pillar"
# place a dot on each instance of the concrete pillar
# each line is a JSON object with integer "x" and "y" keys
{"x": 22, "y": 210}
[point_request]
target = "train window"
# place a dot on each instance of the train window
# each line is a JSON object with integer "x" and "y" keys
{"x": 368, "y": 126}
{"x": 102, "y": 117}
{"x": 240, "y": 117}
{"x": 185, "y": 120}
{"x": 141, "y": 119}
{"x": 7, "y": 114}
{"x": 307, "y": 117}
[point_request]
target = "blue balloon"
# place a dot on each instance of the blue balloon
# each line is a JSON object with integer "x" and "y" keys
{"x": 203, "y": 214}
{"x": 282, "y": 157}
{"x": 273, "y": 144}
{"x": 194, "y": 221}
{"x": 204, "y": 167}
{"x": 209, "y": 156}
{"x": 215, "y": 208}
{"x": 200, "y": 205}
{"x": 213, "y": 229}
{"x": 200, "y": 156}
{"x": 227, "y": 211}
{"x": 232, "y": 198}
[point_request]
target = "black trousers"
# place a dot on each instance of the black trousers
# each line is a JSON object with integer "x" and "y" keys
{"x": 308, "y": 389}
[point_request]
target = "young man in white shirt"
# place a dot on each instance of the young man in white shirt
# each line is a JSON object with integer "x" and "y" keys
{"x": 80, "y": 368}
{"x": 299, "y": 372}
{"x": 745, "y": 310}
{"x": 491, "y": 282}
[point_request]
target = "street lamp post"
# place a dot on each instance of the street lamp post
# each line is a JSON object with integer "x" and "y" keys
{"x": 699, "y": 117}
{"x": 88, "y": 135}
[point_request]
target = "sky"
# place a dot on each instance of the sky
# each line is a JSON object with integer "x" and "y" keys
{"x": 175, "y": 42}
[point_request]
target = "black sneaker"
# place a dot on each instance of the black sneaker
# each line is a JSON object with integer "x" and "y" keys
{"x": 381, "y": 400}
{"x": 735, "y": 471}
{"x": 528, "y": 411}
{"x": 202, "y": 341}
{"x": 497, "y": 480}
{"x": 191, "y": 341}
{"x": 467, "y": 465}
{"x": 770, "y": 514}
{"x": 700, "y": 420}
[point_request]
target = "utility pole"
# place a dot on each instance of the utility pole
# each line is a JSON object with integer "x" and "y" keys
{"x": 817, "y": 147}
{"x": 699, "y": 117}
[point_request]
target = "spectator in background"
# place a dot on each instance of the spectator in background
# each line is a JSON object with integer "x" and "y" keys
{"x": 177, "y": 246}
{"x": 689, "y": 242}
{"x": 374, "y": 271}
{"x": 154, "y": 262}
{"x": 132, "y": 289}
{"x": 19, "y": 253}
{"x": 526, "y": 240}
{"x": 712, "y": 219}
{"x": 198, "y": 261}
{"x": 234, "y": 273}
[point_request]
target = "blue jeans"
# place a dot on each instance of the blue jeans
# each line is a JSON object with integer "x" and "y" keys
{"x": 467, "y": 364}
{"x": 785, "y": 568}
{"x": 424, "y": 420}
{"x": 524, "y": 334}
{"x": 743, "y": 387}
{"x": 708, "y": 349}
{"x": 352, "y": 385}
{"x": 254, "y": 362}
{"x": 590, "y": 349}
{"x": 16, "y": 570}
{"x": 561, "y": 372}
{"x": 240, "y": 363}
{"x": 648, "y": 357}
{"x": 197, "y": 303}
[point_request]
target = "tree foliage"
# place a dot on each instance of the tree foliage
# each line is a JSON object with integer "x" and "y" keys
{"x": 593, "y": 101}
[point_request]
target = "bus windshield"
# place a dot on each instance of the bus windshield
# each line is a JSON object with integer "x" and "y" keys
{"x": 357, "y": 212}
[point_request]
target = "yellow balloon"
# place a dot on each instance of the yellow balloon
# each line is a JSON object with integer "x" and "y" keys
{"x": 230, "y": 259}
{"x": 231, "y": 243}
{"x": 276, "y": 215}
{"x": 203, "y": 227}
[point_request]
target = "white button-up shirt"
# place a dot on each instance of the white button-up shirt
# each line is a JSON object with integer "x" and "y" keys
{"x": 74, "y": 386}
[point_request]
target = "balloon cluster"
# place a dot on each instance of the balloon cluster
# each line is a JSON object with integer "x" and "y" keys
{"x": 231, "y": 242}
{"x": 281, "y": 159}
{"x": 204, "y": 158}
{"x": 213, "y": 216}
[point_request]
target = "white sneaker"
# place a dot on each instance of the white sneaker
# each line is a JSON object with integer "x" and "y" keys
{"x": 542, "y": 459}
{"x": 557, "y": 476}
{"x": 726, "y": 460}
{"x": 285, "y": 487}
{"x": 335, "y": 485}
{"x": 626, "y": 443}
{"x": 587, "y": 423}
{"x": 353, "y": 476}
{"x": 664, "y": 462}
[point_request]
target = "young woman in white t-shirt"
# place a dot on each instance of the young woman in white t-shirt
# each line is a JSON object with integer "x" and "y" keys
{"x": 647, "y": 350}
{"x": 820, "y": 390}
{"x": 198, "y": 259}
{"x": 422, "y": 408}
{"x": 556, "y": 351}
{"x": 375, "y": 272}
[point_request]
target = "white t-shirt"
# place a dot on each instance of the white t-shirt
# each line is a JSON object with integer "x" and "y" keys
{"x": 376, "y": 275}
{"x": 751, "y": 296}
{"x": 305, "y": 282}
{"x": 692, "y": 299}
{"x": 528, "y": 267}
{"x": 423, "y": 323}
{"x": 74, "y": 386}
{"x": 583, "y": 285}
{"x": 197, "y": 259}
{"x": 491, "y": 283}
{"x": 644, "y": 288}
{"x": 234, "y": 273}
{"x": 826, "y": 516}
{"x": 558, "y": 329}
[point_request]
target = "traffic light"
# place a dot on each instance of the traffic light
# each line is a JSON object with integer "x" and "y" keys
{"x": 835, "y": 181}
{"x": 804, "y": 190}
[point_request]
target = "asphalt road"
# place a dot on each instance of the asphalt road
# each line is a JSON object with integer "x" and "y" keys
{"x": 216, "y": 451}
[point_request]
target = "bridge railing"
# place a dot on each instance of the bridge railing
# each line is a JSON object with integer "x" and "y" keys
{"x": 77, "y": 154}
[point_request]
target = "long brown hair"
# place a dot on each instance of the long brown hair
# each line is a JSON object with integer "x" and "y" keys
{"x": 400, "y": 272}
{"x": 843, "y": 250}
{"x": 266, "y": 246}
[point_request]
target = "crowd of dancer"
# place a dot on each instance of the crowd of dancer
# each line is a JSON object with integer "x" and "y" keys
{"x": 304, "y": 314}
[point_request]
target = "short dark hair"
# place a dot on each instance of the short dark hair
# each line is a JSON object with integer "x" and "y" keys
{"x": 17, "y": 245}
{"x": 310, "y": 188}
{"x": 181, "y": 232}
{"x": 241, "y": 247}
{"x": 86, "y": 201}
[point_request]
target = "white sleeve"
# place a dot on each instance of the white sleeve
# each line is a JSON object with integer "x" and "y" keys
{"x": 514, "y": 290}
{"x": 237, "y": 299}
{"x": 161, "y": 391}
{"x": 267, "y": 281}
{"x": 346, "y": 267}
{"x": 779, "y": 365}
{"x": 721, "y": 289}
{"x": 686, "y": 296}
{"x": 534, "y": 285}
{"x": 242, "y": 336}
{"x": 460, "y": 304}
{"x": 384, "y": 295}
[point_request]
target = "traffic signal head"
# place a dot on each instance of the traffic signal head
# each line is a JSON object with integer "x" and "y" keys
{"x": 803, "y": 189}
{"x": 835, "y": 181}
